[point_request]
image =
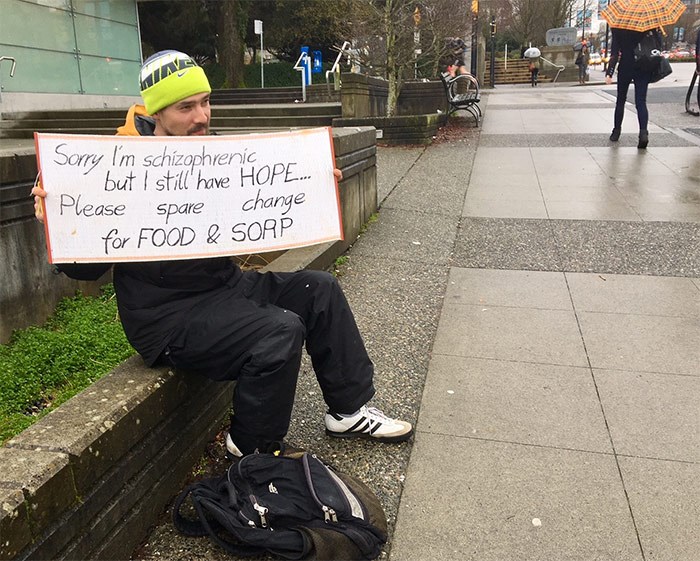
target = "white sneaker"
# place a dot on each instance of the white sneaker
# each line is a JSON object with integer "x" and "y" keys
{"x": 277, "y": 448}
{"x": 370, "y": 423}
{"x": 231, "y": 448}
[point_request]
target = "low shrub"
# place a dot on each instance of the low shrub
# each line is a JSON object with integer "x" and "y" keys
{"x": 42, "y": 367}
{"x": 279, "y": 75}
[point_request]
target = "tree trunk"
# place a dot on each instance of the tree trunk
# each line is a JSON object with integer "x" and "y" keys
{"x": 230, "y": 42}
{"x": 393, "y": 69}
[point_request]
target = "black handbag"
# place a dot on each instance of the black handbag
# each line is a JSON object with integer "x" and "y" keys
{"x": 647, "y": 53}
{"x": 662, "y": 69}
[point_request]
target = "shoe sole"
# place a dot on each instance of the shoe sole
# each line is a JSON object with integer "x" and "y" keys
{"x": 365, "y": 436}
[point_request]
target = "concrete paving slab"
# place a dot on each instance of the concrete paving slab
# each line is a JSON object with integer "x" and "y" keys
{"x": 493, "y": 208}
{"x": 484, "y": 181}
{"x": 674, "y": 138}
{"x": 542, "y": 97}
{"x": 513, "y": 161}
{"x": 560, "y": 121}
{"x": 679, "y": 212}
{"x": 623, "y": 161}
{"x": 642, "y": 343}
{"x": 684, "y": 161}
{"x": 517, "y": 289}
{"x": 623, "y": 247}
{"x": 652, "y": 415}
{"x": 665, "y": 513}
{"x": 518, "y": 334}
{"x": 571, "y": 161}
{"x": 535, "y": 404}
{"x": 659, "y": 189}
{"x": 502, "y": 243}
{"x": 591, "y": 210}
{"x": 478, "y": 500}
{"x": 658, "y": 248}
{"x": 634, "y": 294}
{"x": 600, "y": 189}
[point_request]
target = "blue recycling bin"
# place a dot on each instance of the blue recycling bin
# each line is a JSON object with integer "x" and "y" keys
{"x": 318, "y": 62}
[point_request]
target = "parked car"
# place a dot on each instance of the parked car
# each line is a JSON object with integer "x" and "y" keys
{"x": 680, "y": 54}
{"x": 595, "y": 59}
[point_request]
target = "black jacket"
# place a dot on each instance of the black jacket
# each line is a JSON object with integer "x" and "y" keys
{"x": 155, "y": 297}
{"x": 622, "y": 48}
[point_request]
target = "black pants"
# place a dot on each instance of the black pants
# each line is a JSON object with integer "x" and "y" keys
{"x": 641, "y": 85}
{"x": 253, "y": 332}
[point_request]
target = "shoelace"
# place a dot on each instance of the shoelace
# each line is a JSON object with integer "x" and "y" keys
{"x": 376, "y": 415}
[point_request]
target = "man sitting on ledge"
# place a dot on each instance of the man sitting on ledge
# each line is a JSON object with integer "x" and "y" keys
{"x": 208, "y": 316}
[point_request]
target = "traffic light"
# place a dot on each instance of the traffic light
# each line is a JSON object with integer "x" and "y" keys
{"x": 492, "y": 26}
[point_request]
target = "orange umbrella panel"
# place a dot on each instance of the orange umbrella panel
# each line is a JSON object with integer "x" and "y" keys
{"x": 642, "y": 15}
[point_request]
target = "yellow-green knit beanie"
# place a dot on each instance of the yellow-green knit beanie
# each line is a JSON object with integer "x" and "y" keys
{"x": 169, "y": 76}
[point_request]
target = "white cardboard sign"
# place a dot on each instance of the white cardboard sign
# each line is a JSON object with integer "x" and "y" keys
{"x": 121, "y": 198}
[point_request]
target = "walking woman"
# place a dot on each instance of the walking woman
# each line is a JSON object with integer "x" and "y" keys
{"x": 582, "y": 60}
{"x": 624, "y": 42}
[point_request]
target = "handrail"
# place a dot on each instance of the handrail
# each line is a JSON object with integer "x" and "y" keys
{"x": 560, "y": 67}
{"x": 335, "y": 69}
{"x": 303, "y": 57}
{"x": 14, "y": 63}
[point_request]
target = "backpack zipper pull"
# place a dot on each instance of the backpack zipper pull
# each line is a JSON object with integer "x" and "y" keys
{"x": 261, "y": 510}
{"x": 329, "y": 514}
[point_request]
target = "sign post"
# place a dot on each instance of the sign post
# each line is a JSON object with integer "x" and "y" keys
{"x": 259, "y": 31}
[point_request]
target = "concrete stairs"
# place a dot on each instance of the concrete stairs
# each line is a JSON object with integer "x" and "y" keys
{"x": 225, "y": 118}
{"x": 517, "y": 72}
{"x": 316, "y": 93}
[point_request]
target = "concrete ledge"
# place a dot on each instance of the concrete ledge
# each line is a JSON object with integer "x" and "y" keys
{"x": 406, "y": 129}
{"x": 88, "y": 480}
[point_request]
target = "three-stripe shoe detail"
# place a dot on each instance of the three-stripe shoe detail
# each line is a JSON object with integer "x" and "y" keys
{"x": 370, "y": 423}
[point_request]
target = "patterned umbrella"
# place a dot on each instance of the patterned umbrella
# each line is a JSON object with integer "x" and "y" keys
{"x": 642, "y": 15}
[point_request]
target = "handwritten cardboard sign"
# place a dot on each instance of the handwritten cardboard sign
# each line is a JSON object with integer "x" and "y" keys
{"x": 119, "y": 198}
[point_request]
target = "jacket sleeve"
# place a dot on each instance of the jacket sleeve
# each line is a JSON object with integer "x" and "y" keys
{"x": 614, "y": 56}
{"x": 83, "y": 271}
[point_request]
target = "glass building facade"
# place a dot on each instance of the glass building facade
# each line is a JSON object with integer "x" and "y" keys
{"x": 87, "y": 47}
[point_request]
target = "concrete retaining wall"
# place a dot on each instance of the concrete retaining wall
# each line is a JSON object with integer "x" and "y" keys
{"x": 29, "y": 289}
{"x": 366, "y": 96}
{"x": 421, "y": 109}
{"x": 89, "y": 479}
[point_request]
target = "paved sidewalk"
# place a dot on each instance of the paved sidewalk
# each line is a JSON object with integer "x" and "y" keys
{"x": 530, "y": 294}
{"x": 560, "y": 417}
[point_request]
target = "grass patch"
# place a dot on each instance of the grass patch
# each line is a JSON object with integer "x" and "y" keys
{"x": 42, "y": 367}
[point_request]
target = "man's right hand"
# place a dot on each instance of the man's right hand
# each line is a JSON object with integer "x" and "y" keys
{"x": 39, "y": 195}
{"x": 608, "y": 80}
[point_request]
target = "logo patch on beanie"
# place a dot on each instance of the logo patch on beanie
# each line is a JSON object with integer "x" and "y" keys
{"x": 169, "y": 76}
{"x": 163, "y": 65}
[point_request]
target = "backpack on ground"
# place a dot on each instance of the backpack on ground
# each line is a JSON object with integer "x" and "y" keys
{"x": 292, "y": 507}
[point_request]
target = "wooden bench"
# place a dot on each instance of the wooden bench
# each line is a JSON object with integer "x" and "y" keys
{"x": 462, "y": 92}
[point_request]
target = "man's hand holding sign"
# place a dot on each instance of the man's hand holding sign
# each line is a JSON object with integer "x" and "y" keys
{"x": 114, "y": 199}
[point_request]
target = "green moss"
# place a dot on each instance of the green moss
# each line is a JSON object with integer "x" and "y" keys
{"x": 42, "y": 367}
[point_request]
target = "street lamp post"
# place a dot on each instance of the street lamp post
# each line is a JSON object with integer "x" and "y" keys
{"x": 475, "y": 26}
{"x": 416, "y": 41}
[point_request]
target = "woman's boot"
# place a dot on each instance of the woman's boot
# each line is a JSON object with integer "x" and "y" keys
{"x": 615, "y": 135}
{"x": 643, "y": 139}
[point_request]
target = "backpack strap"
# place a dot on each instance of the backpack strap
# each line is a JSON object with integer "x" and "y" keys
{"x": 204, "y": 526}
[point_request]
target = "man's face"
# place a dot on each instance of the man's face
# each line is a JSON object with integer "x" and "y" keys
{"x": 187, "y": 117}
